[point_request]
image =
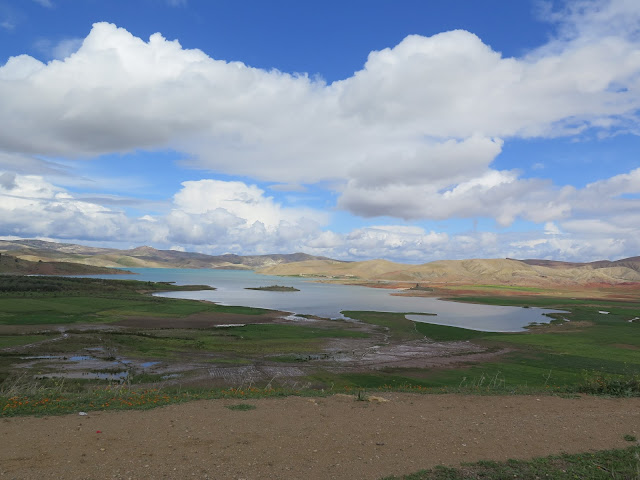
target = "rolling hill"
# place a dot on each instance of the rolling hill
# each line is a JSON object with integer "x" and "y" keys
{"x": 36, "y": 250}
{"x": 508, "y": 271}
{"x": 10, "y": 265}
{"x": 474, "y": 271}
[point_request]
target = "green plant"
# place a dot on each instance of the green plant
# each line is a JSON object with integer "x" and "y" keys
{"x": 603, "y": 465}
{"x": 630, "y": 438}
{"x": 599, "y": 383}
{"x": 241, "y": 406}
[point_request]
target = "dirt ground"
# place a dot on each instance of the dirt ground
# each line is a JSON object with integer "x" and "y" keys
{"x": 324, "y": 438}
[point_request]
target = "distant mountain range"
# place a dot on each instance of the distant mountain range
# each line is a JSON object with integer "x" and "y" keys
{"x": 39, "y": 250}
{"x": 530, "y": 272}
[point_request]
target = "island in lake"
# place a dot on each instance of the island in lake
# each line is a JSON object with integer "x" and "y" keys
{"x": 274, "y": 288}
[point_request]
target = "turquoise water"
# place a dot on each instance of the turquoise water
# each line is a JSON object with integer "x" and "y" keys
{"x": 328, "y": 300}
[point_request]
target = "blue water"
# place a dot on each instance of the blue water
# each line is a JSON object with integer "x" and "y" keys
{"x": 328, "y": 300}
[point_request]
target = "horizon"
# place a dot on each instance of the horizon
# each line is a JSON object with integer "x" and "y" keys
{"x": 328, "y": 258}
{"x": 411, "y": 132}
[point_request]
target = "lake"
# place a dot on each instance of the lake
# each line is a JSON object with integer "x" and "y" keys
{"x": 328, "y": 300}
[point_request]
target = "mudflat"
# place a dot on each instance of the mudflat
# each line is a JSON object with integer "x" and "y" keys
{"x": 334, "y": 437}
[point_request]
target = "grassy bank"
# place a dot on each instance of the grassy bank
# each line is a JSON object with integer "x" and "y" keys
{"x": 68, "y": 300}
{"x": 58, "y": 400}
{"x": 581, "y": 347}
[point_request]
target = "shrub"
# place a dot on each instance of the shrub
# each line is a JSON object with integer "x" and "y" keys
{"x": 599, "y": 383}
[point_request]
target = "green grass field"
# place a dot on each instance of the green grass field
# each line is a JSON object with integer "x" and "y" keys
{"x": 18, "y": 340}
{"x": 62, "y": 300}
{"x": 592, "y": 352}
{"x": 248, "y": 340}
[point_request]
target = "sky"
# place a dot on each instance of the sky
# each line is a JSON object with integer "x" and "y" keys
{"x": 407, "y": 130}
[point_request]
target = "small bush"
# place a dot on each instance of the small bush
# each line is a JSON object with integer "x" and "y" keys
{"x": 607, "y": 384}
{"x": 241, "y": 406}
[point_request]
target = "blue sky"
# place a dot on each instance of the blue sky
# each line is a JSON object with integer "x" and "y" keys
{"x": 406, "y": 130}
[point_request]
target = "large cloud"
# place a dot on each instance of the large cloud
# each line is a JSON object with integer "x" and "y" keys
{"x": 419, "y": 107}
{"x": 234, "y": 216}
{"x": 452, "y": 84}
{"x": 207, "y": 214}
{"x": 245, "y": 202}
{"x": 31, "y": 206}
{"x": 118, "y": 92}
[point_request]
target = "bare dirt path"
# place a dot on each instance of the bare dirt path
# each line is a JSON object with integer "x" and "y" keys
{"x": 324, "y": 438}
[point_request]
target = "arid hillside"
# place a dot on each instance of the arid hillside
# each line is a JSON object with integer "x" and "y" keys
{"x": 10, "y": 265}
{"x": 36, "y": 250}
{"x": 475, "y": 271}
{"x": 507, "y": 271}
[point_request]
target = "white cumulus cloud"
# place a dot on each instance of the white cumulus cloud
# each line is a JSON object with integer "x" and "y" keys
{"x": 430, "y": 112}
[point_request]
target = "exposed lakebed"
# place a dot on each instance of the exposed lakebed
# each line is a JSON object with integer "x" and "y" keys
{"x": 95, "y": 365}
{"x": 329, "y": 300}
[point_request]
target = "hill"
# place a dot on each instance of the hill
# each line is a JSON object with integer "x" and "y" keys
{"x": 474, "y": 271}
{"x": 632, "y": 263}
{"x": 10, "y": 265}
{"x": 508, "y": 271}
{"x": 39, "y": 250}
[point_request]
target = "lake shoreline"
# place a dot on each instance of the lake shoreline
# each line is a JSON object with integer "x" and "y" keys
{"x": 329, "y": 300}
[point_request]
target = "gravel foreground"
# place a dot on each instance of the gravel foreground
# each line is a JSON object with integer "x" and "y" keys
{"x": 323, "y": 438}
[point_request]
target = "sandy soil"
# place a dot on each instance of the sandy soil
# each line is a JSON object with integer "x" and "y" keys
{"x": 324, "y": 438}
